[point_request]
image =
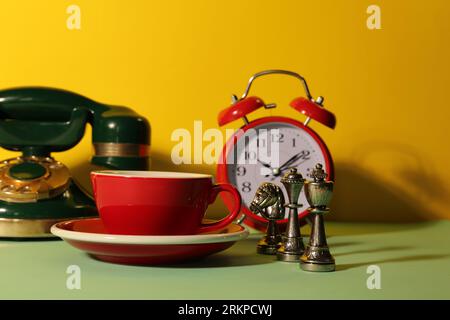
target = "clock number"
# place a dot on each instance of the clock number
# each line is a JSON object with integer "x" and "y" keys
{"x": 278, "y": 138}
{"x": 293, "y": 143}
{"x": 241, "y": 171}
{"x": 246, "y": 187}
{"x": 305, "y": 155}
{"x": 250, "y": 155}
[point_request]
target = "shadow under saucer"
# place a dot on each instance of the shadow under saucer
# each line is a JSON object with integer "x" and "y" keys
{"x": 245, "y": 256}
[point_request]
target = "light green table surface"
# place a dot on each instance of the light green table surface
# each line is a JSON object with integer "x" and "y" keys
{"x": 414, "y": 261}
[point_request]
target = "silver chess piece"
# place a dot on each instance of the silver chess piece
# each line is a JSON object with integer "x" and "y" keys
{"x": 269, "y": 203}
{"x": 317, "y": 256}
{"x": 292, "y": 246}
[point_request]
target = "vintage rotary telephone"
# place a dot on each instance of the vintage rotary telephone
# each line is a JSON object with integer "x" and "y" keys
{"x": 35, "y": 189}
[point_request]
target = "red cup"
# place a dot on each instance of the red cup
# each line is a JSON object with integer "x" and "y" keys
{"x": 158, "y": 203}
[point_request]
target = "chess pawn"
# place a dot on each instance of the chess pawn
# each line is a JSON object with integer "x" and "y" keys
{"x": 269, "y": 203}
{"x": 292, "y": 246}
{"x": 317, "y": 256}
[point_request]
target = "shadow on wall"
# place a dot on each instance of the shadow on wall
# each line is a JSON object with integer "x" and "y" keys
{"x": 414, "y": 193}
{"x": 81, "y": 172}
{"x": 360, "y": 196}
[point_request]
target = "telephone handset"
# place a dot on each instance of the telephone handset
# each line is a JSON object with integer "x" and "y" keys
{"x": 35, "y": 189}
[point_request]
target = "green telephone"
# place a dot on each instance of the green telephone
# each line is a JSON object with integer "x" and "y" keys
{"x": 37, "y": 191}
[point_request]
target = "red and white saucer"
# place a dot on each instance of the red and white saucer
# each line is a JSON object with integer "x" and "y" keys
{"x": 90, "y": 236}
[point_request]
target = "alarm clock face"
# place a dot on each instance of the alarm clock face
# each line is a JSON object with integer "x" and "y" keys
{"x": 296, "y": 148}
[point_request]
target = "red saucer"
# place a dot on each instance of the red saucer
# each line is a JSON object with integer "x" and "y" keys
{"x": 89, "y": 235}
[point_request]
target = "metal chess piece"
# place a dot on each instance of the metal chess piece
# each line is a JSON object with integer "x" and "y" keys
{"x": 292, "y": 245}
{"x": 269, "y": 202}
{"x": 317, "y": 256}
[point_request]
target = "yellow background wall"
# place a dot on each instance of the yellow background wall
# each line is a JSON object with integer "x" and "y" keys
{"x": 179, "y": 61}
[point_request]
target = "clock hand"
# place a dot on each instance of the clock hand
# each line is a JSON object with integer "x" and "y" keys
{"x": 284, "y": 169}
{"x": 264, "y": 164}
{"x": 292, "y": 166}
{"x": 275, "y": 171}
{"x": 291, "y": 160}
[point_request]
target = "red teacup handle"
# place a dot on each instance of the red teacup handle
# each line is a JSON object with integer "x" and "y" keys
{"x": 231, "y": 216}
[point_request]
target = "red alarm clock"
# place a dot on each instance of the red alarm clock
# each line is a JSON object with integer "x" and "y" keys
{"x": 298, "y": 146}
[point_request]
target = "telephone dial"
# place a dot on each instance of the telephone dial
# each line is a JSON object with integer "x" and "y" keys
{"x": 35, "y": 189}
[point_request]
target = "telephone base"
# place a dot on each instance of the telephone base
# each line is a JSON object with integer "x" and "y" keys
{"x": 33, "y": 220}
{"x": 19, "y": 229}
